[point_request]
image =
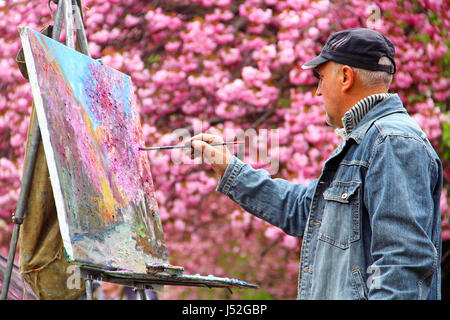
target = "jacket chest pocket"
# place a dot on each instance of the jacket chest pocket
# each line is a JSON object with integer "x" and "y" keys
{"x": 340, "y": 222}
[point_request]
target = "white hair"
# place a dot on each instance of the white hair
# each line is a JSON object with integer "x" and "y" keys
{"x": 370, "y": 78}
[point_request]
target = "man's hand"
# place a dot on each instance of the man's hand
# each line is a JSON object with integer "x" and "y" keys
{"x": 218, "y": 156}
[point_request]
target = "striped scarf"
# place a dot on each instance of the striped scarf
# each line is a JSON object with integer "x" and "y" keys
{"x": 353, "y": 116}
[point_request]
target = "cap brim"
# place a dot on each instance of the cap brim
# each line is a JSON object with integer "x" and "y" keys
{"x": 314, "y": 62}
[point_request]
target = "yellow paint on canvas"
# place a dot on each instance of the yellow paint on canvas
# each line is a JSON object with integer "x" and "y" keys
{"x": 108, "y": 205}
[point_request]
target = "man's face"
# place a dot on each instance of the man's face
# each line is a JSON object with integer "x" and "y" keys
{"x": 328, "y": 89}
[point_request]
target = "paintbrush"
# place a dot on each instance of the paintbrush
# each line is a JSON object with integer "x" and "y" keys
{"x": 189, "y": 146}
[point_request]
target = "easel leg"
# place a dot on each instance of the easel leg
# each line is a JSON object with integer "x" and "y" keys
{"x": 141, "y": 294}
{"x": 89, "y": 290}
{"x": 21, "y": 205}
{"x": 10, "y": 263}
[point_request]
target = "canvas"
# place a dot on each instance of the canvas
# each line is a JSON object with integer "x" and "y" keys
{"x": 91, "y": 132}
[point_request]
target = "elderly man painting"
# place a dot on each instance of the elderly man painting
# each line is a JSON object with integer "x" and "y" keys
{"x": 370, "y": 223}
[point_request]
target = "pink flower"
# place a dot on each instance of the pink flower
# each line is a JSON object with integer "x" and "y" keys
{"x": 273, "y": 233}
{"x": 179, "y": 225}
{"x": 300, "y": 77}
{"x": 229, "y": 111}
{"x": 313, "y": 32}
{"x": 403, "y": 80}
{"x": 231, "y": 56}
{"x": 289, "y": 19}
{"x": 286, "y": 56}
{"x": 260, "y": 16}
{"x": 255, "y": 76}
{"x": 172, "y": 46}
{"x": 131, "y": 21}
{"x": 289, "y": 242}
{"x": 232, "y": 91}
{"x": 223, "y": 3}
{"x": 323, "y": 23}
{"x": 445, "y": 235}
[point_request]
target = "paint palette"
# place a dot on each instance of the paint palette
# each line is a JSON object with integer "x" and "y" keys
{"x": 102, "y": 183}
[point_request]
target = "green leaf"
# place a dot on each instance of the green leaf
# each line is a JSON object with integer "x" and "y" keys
{"x": 416, "y": 98}
{"x": 445, "y": 141}
{"x": 284, "y": 102}
{"x": 444, "y": 64}
{"x": 434, "y": 18}
{"x": 423, "y": 37}
{"x": 256, "y": 295}
{"x": 154, "y": 58}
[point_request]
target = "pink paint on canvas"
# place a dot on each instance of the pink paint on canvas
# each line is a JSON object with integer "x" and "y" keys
{"x": 94, "y": 135}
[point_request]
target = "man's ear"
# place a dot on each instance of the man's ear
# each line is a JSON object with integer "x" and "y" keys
{"x": 347, "y": 78}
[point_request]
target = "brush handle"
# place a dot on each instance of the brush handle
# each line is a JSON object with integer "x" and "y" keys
{"x": 185, "y": 147}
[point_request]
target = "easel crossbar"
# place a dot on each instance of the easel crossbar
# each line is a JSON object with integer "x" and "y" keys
{"x": 148, "y": 281}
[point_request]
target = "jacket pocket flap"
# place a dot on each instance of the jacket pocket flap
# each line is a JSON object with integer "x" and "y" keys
{"x": 341, "y": 191}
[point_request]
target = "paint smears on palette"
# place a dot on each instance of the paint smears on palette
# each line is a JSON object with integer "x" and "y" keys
{"x": 91, "y": 133}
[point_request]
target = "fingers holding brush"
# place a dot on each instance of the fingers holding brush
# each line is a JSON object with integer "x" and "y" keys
{"x": 218, "y": 156}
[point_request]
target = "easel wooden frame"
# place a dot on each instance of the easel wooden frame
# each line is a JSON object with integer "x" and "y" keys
{"x": 70, "y": 11}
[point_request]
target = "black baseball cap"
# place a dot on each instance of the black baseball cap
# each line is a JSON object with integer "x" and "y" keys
{"x": 358, "y": 47}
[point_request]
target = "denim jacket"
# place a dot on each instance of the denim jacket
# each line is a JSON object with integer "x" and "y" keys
{"x": 370, "y": 224}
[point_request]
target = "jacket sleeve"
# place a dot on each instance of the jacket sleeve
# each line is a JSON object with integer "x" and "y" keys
{"x": 398, "y": 194}
{"x": 277, "y": 201}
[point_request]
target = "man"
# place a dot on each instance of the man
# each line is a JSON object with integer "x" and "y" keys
{"x": 370, "y": 223}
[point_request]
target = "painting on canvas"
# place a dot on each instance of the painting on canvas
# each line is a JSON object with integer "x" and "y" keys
{"x": 91, "y": 132}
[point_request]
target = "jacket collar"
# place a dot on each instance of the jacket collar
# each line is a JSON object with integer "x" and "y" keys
{"x": 390, "y": 105}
